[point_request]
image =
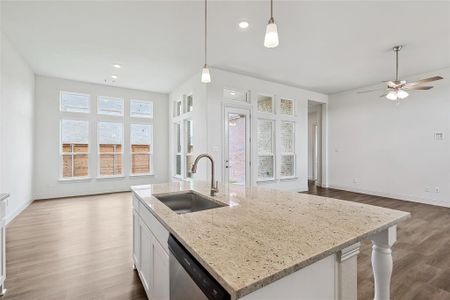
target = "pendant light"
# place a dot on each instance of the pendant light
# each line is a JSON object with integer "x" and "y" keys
{"x": 271, "y": 38}
{"x": 206, "y": 77}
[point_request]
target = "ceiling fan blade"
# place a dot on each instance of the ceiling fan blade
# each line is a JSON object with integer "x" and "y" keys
{"x": 434, "y": 78}
{"x": 418, "y": 88}
{"x": 384, "y": 95}
{"x": 369, "y": 91}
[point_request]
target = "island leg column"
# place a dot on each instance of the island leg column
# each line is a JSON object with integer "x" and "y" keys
{"x": 382, "y": 261}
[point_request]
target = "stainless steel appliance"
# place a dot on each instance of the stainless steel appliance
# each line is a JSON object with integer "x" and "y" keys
{"x": 188, "y": 279}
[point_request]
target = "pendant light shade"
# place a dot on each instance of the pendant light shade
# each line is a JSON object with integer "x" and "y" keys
{"x": 271, "y": 38}
{"x": 206, "y": 77}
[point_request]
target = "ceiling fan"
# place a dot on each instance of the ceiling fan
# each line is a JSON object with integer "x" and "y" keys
{"x": 397, "y": 89}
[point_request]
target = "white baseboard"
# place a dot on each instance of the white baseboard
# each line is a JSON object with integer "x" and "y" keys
{"x": 390, "y": 195}
{"x": 15, "y": 213}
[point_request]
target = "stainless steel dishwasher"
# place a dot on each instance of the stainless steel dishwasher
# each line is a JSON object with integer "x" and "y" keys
{"x": 188, "y": 279}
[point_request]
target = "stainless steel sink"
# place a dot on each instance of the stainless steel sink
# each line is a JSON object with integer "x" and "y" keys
{"x": 188, "y": 202}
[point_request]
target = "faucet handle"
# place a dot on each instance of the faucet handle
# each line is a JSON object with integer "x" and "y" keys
{"x": 217, "y": 186}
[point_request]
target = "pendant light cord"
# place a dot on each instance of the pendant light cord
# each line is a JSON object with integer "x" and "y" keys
{"x": 271, "y": 9}
{"x": 396, "y": 65}
{"x": 206, "y": 30}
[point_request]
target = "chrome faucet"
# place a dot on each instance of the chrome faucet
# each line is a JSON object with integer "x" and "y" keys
{"x": 214, "y": 189}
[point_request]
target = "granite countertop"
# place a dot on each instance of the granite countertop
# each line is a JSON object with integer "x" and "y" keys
{"x": 264, "y": 235}
{"x": 3, "y": 196}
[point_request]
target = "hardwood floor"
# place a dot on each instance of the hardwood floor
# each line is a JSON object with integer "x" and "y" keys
{"x": 80, "y": 248}
{"x": 73, "y": 248}
{"x": 421, "y": 254}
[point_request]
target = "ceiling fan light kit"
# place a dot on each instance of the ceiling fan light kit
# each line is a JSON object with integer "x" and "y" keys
{"x": 397, "y": 89}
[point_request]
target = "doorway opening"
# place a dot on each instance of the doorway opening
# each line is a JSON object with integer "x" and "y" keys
{"x": 237, "y": 152}
{"x": 315, "y": 144}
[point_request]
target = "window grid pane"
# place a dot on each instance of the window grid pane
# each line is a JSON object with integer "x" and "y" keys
{"x": 265, "y": 137}
{"x": 141, "y": 109}
{"x": 74, "y": 102}
{"x": 287, "y": 165}
{"x": 287, "y": 137}
{"x": 265, "y": 167}
{"x": 110, "y": 139}
{"x": 141, "y": 138}
{"x": 287, "y": 107}
{"x": 265, "y": 104}
{"x": 74, "y": 148}
{"x": 110, "y": 106}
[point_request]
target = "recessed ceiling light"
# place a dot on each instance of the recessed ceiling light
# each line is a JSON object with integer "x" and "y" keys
{"x": 114, "y": 76}
{"x": 117, "y": 66}
{"x": 243, "y": 24}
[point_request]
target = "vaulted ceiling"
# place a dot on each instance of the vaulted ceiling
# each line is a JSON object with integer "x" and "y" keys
{"x": 324, "y": 46}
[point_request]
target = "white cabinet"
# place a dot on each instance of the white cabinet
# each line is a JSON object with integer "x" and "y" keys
{"x": 136, "y": 240}
{"x": 161, "y": 270}
{"x": 147, "y": 255}
{"x": 150, "y": 253}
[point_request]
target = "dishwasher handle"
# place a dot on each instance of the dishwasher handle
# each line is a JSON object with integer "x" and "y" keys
{"x": 209, "y": 286}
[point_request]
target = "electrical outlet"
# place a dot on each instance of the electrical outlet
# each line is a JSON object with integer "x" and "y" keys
{"x": 427, "y": 189}
{"x": 437, "y": 189}
{"x": 355, "y": 180}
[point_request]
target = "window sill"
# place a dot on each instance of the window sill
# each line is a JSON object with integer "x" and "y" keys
{"x": 72, "y": 179}
{"x": 288, "y": 178}
{"x": 265, "y": 180}
{"x": 110, "y": 177}
{"x": 143, "y": 174}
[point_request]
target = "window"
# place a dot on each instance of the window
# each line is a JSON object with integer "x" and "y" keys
{"x": 141, "y": 139}
{"x": 74, "y": 148}
{"x": 265, "y": 104}
{"x": 189, "y": 133}
{"x": 110, "y": 142}
{"x": 74, "y": 102}
{"x": 178, "y": 149}
{"x": 177, "y": 111}
{"x": 265, "y": 148}
{"x": 287, "y": 137}
{"x": 189, "y": 103}
{"x": 287, "y": 107}
{"x": 141, "y": 109}
{"x": 110, "y": 106}
{"x": 234, "y": 95}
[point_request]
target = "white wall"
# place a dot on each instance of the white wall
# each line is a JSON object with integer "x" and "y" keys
{"x": 210, "y": 133}
{"x": 193, "y": 87}
{"x": 379, "y": 148}
{"x": 16, "y": 129}
{"x": 47, "y": 167}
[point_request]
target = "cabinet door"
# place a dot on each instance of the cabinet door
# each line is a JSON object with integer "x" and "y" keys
{"x": 136, "y": 241}
{"x": 161, "y": 270}
{"x": 146, "y": 258}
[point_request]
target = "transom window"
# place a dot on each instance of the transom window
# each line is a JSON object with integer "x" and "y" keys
{"x": 74, "y": 102}
{"x": 110, "y": 106}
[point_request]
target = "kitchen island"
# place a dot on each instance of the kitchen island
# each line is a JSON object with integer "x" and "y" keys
{"x": 262, "y": 243}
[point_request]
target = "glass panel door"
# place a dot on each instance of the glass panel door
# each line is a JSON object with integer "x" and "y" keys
{"x": 237, "y": 154}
